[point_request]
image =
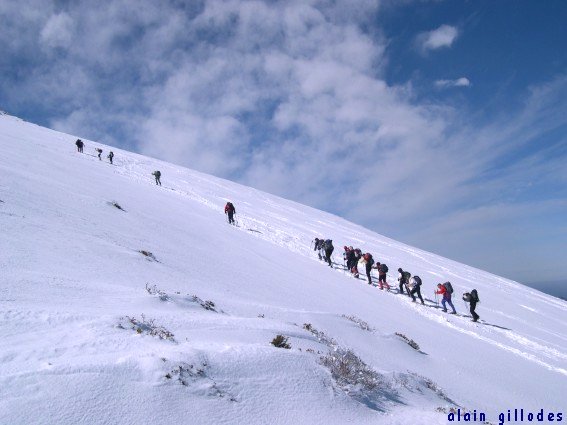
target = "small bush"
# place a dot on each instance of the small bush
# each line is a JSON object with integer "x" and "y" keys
{"x": 148, "y": 255}
{"x": 187, "y": 374}
{"x": 361, "y": 323}
{"x": 413, "y": 381}
{"x": 280, "y": 341}
{"x": 410, "y": 342}
{"x": 146, "y": 326}
{"x": 207, "y": 305}
{"x": 321, "y": 336}
{"x": 116, "y": 205}
{"x": 153, "y": 290}
{"x": 348, "y": 370}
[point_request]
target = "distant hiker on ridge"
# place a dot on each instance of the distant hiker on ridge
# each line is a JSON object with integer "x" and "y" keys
{"x": 319, "y": 247}
{"x": 472, "y": 298}
{"x": 403, "y": 280}
{"x": 382, "y": 270}
{"x": 355, "y": 260}
{"x": 99, "y": 150}
{"x": 110, "y": 156}
{"x": 157, "y": 175}
{"x": 345, "y": 255}
{"x": 230, "y": 211}
{"x": 329, "y": 248}
{"x": 446, "y": 290}
{"x": 80, "y": 145}
{"x": 368, "y": 262}
{"x": 350, "y": 258}
{"x": 415, "y": 283}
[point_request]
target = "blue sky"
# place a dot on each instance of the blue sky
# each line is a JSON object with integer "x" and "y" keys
{"x": 442, "y": 124}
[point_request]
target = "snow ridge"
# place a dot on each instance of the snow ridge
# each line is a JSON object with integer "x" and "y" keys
{"x": 160, "y": 310}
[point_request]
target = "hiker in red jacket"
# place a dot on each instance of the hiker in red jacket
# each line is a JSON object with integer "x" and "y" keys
{"x": 230, "y": 211}
{"x": 446, "y": 297}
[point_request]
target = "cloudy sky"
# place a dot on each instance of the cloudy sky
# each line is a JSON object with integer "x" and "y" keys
{"x": 442, "y": 124}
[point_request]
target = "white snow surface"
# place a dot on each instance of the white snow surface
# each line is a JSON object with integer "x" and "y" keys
{"x": 71, "y": 274}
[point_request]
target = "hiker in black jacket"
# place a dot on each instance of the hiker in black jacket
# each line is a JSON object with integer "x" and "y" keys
{"x": 368, "y": 263}
{"x": 328, "y": 248}
{"x": 472, "y": 298}
{"x": 403, "y": 280}
{"x": 350, "y": 259}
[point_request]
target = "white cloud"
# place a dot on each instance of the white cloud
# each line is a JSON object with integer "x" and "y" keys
{"x": 58, "y": 31}
{"x": 444, "y": 36}
{"x": 460, "y": 82}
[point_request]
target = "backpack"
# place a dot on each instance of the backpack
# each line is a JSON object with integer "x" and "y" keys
{"x": 474, "y": 296}
{"x": 448, "y": 287}
{"x": 157, "y": 173}
{"x": 384, "y": 268}
{"x": 229, "y": 206}
{"x": 368, "y": 258}
{"x": 416, "y": 281}
{"x": 406, "y": 276}
{"x": 328, "y": 244}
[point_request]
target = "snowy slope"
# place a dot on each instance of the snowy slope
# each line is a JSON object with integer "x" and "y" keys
{"x": 71, "y": 276}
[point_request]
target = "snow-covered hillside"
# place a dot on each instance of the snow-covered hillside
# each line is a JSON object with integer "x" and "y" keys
{"x": 79, "y": 303}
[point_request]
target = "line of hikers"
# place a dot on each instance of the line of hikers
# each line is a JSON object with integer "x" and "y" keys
{"x": 80, "y": 145}
{"x": 353, "y": 257}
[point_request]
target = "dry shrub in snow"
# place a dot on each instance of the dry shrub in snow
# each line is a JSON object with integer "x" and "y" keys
{"x": 414, "y": 382}
{"x": 146, "y": 326}
{"x": 116, "y": 205}
{"x": 188, "y": 374}
{"x": 207, "y": 305}
{"x": 280, "y": 341}
{"x": 321, "y": 336}
{"x": 410, "y": 342}
{"x": 361, "y": 323}
{"x": 154, "y": 290}
{"x": 350, "y": 372}
{"x": 148, "y": 255}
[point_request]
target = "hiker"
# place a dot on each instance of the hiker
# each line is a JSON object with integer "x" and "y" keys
{"x": 315, "y": 243}
{"x": 382, "y": 270}
{"x": 318, "y": 247}
{"x": 110, "y": 156}
{"x": 415, "y": 283}
{"x": 355, "y": 260}
{"x": 80, "y": 145}
{"x": 157, "y": 175}
{"x": 99, "y": 150}
{"x": 328, "y": 248}
{"x": 403, "y": 279}
{"x": 350, "y": 259}
{"x": 230, "y": 211}
{"x": 446, "y": 290}
{"x": 368, "y": 262}
{"x": 345, "y": 255}
{"x": 472, "y": 298}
